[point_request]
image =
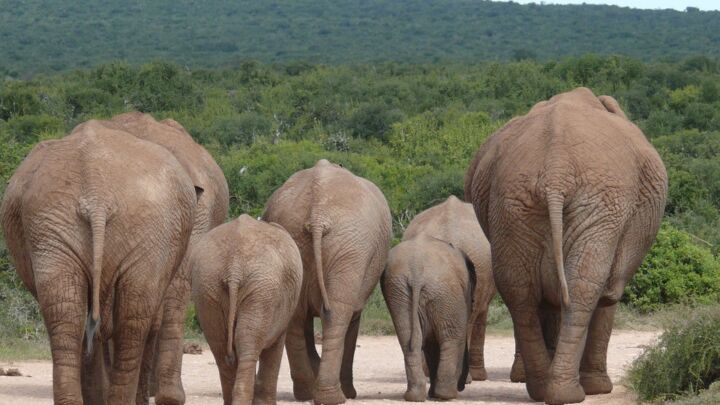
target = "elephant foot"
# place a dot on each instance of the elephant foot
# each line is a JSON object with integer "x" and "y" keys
{"x": 415, "y": 394}
{"x": 517, "y": 372}
{"x": 349, "y": 390}
{"x": 329, "y": 396}
{"x": 443, "y": 391}
{"x": 569, "y": 393}
{"x": 536, "y": 389}
{"x": 264, "y": 400}
{"x": 302, "y": 392}
{"x": 595, "y": 383}
{"x": 478, "y": 373}
{"x": 170, "y": 395}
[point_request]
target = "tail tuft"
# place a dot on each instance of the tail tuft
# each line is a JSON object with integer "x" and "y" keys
{"x": 91, "y": 326}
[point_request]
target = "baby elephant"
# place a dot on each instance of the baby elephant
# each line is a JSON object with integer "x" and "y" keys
{"x": 246, "y": 279}
{"x": 428, "y": 286}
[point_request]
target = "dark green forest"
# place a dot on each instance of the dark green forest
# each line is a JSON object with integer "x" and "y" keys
{"x": 55, "y": 35}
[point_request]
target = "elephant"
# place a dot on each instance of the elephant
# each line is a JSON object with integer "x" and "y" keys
{"x": 246, "y": 280}
{"x": 97, "y": 224}
{"x": 342, "y": 226}
{"x": 571, "y": 197}
{"x": 211, "y": 211}
{"x": 429, "y": 286}
{"x": 454, "y": 221}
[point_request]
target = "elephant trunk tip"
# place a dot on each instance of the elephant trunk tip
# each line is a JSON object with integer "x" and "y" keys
{"x": 230, "y": 359}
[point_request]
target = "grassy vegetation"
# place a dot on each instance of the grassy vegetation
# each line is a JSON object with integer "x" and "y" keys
{"x": 685, "y": 361}
{"x": 14, "y": 349}
{"x": 710, "y": 396}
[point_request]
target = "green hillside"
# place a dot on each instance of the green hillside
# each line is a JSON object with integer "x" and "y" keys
{"x": 51, "y": 35}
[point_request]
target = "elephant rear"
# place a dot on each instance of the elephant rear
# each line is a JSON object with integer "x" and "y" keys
{"x": 571, "y": 197}
{"x": 247, "y": 276}
{"x": 342, "y": 226}
{"x": 428, "y": 287}
{"x": 95, "y": 210}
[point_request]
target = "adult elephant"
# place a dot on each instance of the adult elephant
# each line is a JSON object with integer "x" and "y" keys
{"x": 454, "y": 222}
{"x": 342, "y": 225}
{"x": 571, "y": 197}
{"x": 97, "y": 223}
{"x": 211, "y": 211}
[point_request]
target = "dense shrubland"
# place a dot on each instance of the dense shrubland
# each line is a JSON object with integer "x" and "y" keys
{"x": 411, "y": 129}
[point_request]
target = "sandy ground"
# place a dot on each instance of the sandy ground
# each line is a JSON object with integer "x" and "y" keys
{"x": 379, "y": 375}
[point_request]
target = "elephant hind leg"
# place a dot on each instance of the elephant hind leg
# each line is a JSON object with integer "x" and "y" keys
{"x": 327, "y": 389}
{"x": 62, "y": 294}
{"x": 168, "y": 366}
{"x": 268, "y": 371}
{"x": 346, "y": 372}
{"x": 477, "y": 347}
{"x": 148, "y": 362}
{"x": 593, "y": 367}
{"x": 297, "y": 345}
{"x": 431, "y": 350}
{"x": 592, "y": 264}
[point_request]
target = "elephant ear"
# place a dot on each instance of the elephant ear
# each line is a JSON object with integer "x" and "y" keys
{"x": 612, "y": 105}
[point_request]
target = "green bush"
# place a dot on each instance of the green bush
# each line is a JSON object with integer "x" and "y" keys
{"x": 684, "y": 361}
{"x": 18, "y": 100}
{"x": 31, "y": 128}
{"x": 19, "y": 312}
{"x": 675, "y": 271}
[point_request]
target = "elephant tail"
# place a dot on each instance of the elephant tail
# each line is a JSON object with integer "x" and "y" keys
{"x": 317, "y": 233}
{"x": 415, "y": 332}
{"x": 97, "y": 219}
{"x": 555, "y": 203}
{"x": 232, "y": 314}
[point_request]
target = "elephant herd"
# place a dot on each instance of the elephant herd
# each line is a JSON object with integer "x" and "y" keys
{"x": 115, "y": 227}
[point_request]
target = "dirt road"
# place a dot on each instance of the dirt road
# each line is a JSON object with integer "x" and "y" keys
{"x": 379, "y": 375}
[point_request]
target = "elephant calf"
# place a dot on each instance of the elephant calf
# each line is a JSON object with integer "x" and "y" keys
{"x": 246, "y": 279}
{"x": 454, "y": 222}
{"x": 428, "y": 286}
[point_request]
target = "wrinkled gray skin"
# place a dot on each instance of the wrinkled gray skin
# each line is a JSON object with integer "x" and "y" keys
{"x": 97, "y": 223}
{"x": 454, "y": 222}
{"x": 428, "y": 286}
{"x": 571, "y": 197}
{"x": 246, "y": 278}
{"x": 342, "y": 225}
{"x": 211, "y": 211}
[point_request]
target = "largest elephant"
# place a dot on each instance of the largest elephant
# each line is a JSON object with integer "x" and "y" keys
{"x": 342, "y": 225}
{"x": 570, "y": 197}
{"x": 97, "y": 223}
{"x": 211, "y": 211}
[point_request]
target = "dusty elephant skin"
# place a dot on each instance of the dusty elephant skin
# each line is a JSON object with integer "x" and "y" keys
{"x": 246, "y": 278}
{"x": 570, "y": 197}
{"x": 210, "y": 212}
{"x": 454, "y": 221}
{"x": 428, "y": 286}
{"x": 342, "y": 225}
{"x": 97, "y": 223}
